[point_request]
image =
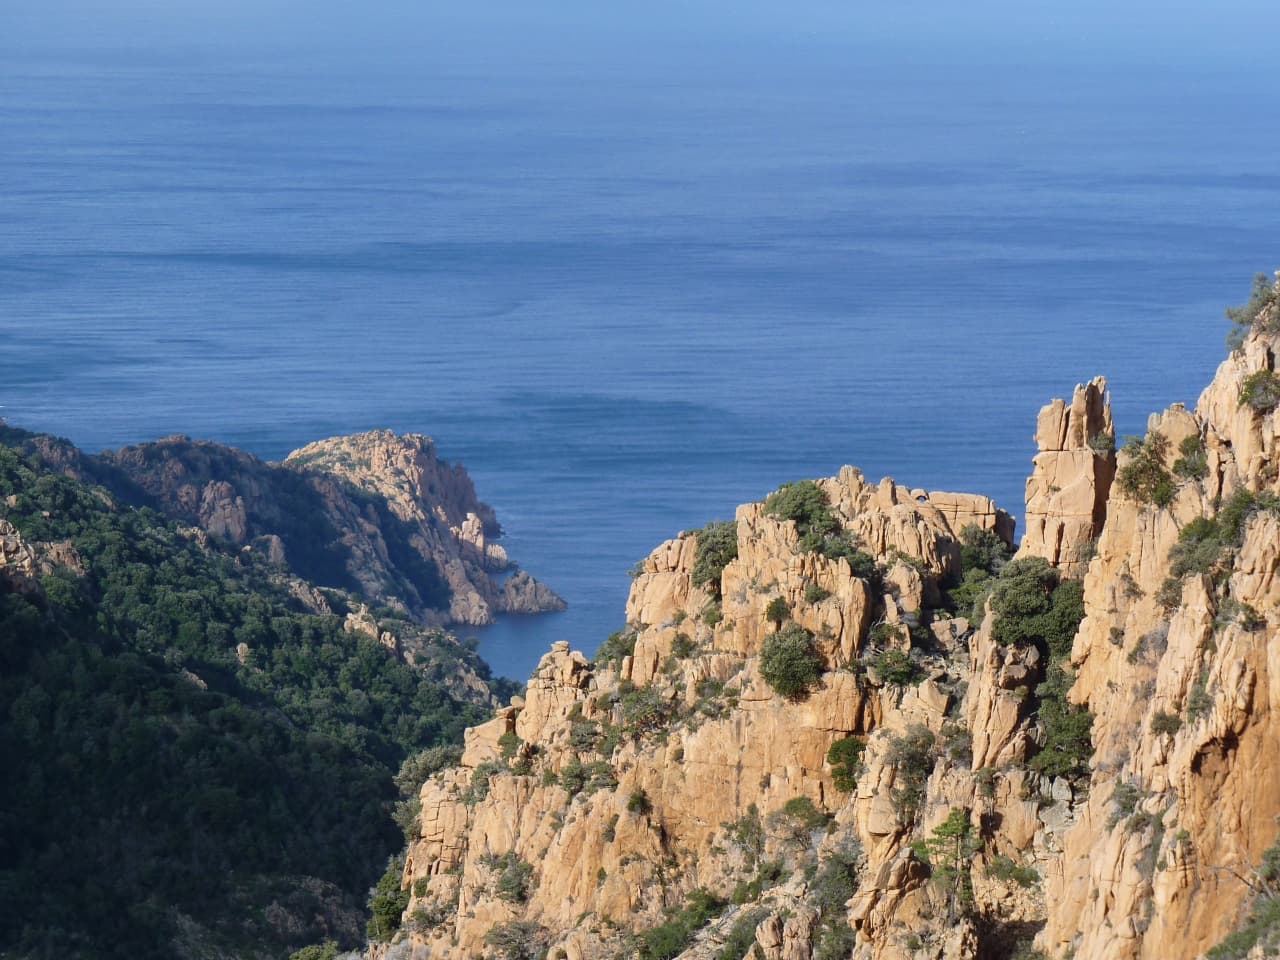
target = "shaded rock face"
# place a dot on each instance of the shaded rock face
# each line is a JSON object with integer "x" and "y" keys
{"x": 1184, "y": 696}
{"x": 626, "y": 784}
{"x": 376, "y": 513}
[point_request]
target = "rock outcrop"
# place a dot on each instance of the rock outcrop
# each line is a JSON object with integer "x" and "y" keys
{"x": 374, "y": 512}
{"x": 1072, "y": 474}
{"x": 1083, "y": 767}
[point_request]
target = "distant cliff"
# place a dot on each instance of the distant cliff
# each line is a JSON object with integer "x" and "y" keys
{"x": 375, "y": 512}
{"x": 849, "y": 724}
{"x": 201, "y": 747}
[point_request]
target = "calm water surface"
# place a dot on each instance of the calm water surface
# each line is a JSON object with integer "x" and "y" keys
{"x": 627, "y": 300}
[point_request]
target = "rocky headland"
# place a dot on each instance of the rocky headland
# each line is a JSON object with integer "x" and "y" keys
{"x": 852, "y": 723}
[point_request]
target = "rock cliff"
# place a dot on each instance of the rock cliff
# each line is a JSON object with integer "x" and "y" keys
{"x": 848, "y": 725}
{"x": 375, "y": 512}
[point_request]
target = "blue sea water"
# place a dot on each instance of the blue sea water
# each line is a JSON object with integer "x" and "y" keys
{"x": 627, "y": 297}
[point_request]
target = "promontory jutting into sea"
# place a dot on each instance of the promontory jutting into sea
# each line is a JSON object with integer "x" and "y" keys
{"x": 564, "y": 481}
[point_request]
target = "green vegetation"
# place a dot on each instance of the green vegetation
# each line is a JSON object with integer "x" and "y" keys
{"x": 747, "y": 833}
{"x": 1194, "y": 462}
{"x": 717, "y": 545}
{"x": 1165, "y": 724}
{"x": 1144, "y": 477}
{"x": 896, "y": 667}
{"x": 1254, "y": 315}
{"x": 742, "y": 935}
{"x": 1260, "y": 391}
{"x": 324, "y": 951}
{"x": 1102, "y": 443}
{"x": 798, "y": 820}
{"x": 1204, "y": 541}
{"x": 619, "y": 644}
{"x": 768, "y": 873}
{"x": 949, "y": 851}
{"x": 845, "y": 757}
{"x": 1262, "y": 927}
{"x": 638, "y": 803}
{"x": 982, "y": 556}
{"x": 1010, "y": 871}
{"x": 777, "y": 610}
{"x": 1068, "y": 729}
{"x": 671, "y": 938}
{"x": 644, "y": 709}
{"x": 513, "y": 876}
{"x": 1033, "y": 605}
{"x": 517, "y": 940}
{"x": 789, "y": 663}
{"x": 182, "y": 778}
{"x": 807, "y": 505}
{"x": 832, "y": 886}
{"x": 1199, "y": 702}
{"x": 912, "y": 756}
{"x": 387, "y": 902}
{"x": 814, "y": 593}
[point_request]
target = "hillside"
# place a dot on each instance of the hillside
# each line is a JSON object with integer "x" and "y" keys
{"x": 849, "y": 724}
{"x": 200, "y": 746}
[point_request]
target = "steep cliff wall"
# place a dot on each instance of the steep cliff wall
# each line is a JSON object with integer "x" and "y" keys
{"x": 1070, "y": 753}
{"x": 374, "y": 512}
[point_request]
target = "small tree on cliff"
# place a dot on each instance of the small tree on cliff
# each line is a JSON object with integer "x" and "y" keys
{"x": 788, "y": 662}
{"x": 949, "y": 851}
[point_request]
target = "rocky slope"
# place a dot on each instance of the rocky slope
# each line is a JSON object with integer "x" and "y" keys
{"x": 181, "y": 714}
{"x": 810, "y": 741}
{"x": 374, "y": 512}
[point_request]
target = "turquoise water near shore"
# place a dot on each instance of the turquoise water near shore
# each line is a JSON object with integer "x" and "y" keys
{"x": 627, "y": 299}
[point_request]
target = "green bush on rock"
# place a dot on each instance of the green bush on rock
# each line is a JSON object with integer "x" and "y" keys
{"x": 789, "y": 663}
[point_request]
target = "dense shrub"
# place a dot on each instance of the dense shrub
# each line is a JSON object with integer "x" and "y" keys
{"x": 845, "y": 757}
{"x": 1261, "y": 391}
{"x": 1033, "y": 605}
{"x": 513, "y": 876}
{"x": 1102, "y": 443}
{"x": 717, "y": 545}
{"x": 1010, "y": 871}
{"x": 742, "y": 935}
{"x": 671, "y": 938}
{"x": 982, "y": 550}
{"x": 517, "y": 940}
{"x": 896, "y": 667}
{"x": 1143, "y": 477}
{"x": 912, "y": 755}
{"x": 806, "y": 504}
{"x": 1068, "y": 729}
{"x": 777, "y": 610}
{"x": 814, "y": 593}
{"x": 789, "y": 663}
{"x": 644, "y": 710}
{"x": 621, "y": 643}
{"x": 1199, "y": 547}
{"x": 1193, "y": 464}
{"x": 387, "y": 902}
{"x": 269, "y": 778}
{"x": 1203, "y": 542}
{"x": 1165, "y": 724}
{"x": 1254, "y": 313}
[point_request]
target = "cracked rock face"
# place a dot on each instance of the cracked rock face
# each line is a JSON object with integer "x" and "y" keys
{"x": 386, "y": 516}
{"x": 624, "y": 785}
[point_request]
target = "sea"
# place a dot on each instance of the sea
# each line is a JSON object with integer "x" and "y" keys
{"x": 628, "y": 295}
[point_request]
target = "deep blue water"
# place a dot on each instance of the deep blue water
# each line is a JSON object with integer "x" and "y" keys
{"x": 626, "y": 299}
